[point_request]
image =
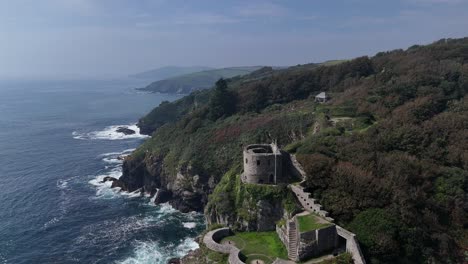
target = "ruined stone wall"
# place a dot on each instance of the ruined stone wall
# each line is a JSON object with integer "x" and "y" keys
{"x": 316, "y": 242}
{"x": 327, "y": 238}
{"x": 308, "y": 247}
{"x": 352, "y": 245}
{"x": 283, "y": 235}
{"x": 309, "y": 203}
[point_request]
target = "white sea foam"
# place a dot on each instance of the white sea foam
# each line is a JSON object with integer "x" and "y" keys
{"x": 151, "y": 252}
{"x": 146, "y": 253}
{"x": 110, "y": 133}
{"x": 103, "y": 189}
{"x": 127, "y": 151}
{"x": 187, "y": 245}
{"x": 166, "y": 208}
{"x": 189, "y": 225}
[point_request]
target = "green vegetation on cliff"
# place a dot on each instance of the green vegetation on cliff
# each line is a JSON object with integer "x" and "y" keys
{"x": 239, "y": 201}
{"x": 393, "y": 137}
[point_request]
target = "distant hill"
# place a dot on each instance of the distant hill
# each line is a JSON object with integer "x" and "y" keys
{"x": 187, "y": 83}
{"x": 168, "y": 72}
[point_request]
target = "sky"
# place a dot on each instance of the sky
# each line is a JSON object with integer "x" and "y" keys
{"x": 112, "y": 38}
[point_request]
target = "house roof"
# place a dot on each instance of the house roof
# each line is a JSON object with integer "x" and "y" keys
{"x": 321, "y": 95}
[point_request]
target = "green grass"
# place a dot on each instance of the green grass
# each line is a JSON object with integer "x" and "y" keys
{"x": 309, "y": 223}
{"x": 260, "y": 245}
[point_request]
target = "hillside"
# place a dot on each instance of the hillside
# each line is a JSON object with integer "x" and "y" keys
{"x": 387, "y": 156}
{"x": 188, "y": 83}
{"x": 168, "y": 72}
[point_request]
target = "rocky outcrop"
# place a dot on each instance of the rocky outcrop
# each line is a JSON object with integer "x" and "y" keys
{"x": 125, "y": 130}
{"x": 185, "y": 190}
{"x": 261, "y": 217}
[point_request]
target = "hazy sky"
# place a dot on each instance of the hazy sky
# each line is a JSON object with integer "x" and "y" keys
{"x": 96, "y": 38}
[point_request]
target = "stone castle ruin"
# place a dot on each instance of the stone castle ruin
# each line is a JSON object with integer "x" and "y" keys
{"x": 263, "y": 164}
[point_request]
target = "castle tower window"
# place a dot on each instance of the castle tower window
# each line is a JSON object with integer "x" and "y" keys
{"x": 258, "y": 162}
{"x": 246, "y": 161}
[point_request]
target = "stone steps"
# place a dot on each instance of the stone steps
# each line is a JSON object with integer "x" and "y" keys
{"x": 292, "y": 237}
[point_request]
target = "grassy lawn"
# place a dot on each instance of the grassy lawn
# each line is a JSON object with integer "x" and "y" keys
{"x": 310, "y": 222}
{"x": 259, "y": 245}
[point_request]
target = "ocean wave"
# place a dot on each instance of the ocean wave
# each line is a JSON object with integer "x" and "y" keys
{"x": 146, "y": 252}
{"x": 189, "y": 225}
{"x": 165, "y": 208}
{"x": 103, "y": 189}
{"x": 110, "y": 133}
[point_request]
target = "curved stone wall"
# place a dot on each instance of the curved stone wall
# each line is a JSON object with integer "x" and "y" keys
{"x": 234, "y": 257}
{"x": 262, "y": 167}
{"x": 212, "y": 239}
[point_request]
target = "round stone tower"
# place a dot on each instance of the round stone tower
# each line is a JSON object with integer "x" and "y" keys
{"x": 262, "y": 164}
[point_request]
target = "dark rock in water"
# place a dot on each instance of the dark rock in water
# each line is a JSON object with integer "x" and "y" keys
{"x": 125, "y": 130}
{"x": 174, "y": 261}
{"x": 162, "y": 196}
{"x": 118, "y": 183}
{"x": 108, "y": 178}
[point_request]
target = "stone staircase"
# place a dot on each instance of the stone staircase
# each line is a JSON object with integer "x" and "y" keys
{"x": 292, "y": 238}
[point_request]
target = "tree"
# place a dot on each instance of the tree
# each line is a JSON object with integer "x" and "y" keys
{"x": 222, "y": 101}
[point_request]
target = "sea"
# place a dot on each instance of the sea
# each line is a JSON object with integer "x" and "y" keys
{"x": 58, "y": 140}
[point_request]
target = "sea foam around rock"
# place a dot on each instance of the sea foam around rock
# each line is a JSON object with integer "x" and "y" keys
{"x": 110, "y": 133}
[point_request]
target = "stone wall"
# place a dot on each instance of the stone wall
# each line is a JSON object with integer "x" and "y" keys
{"x": 234, "y": 257}
{"x": 283, "y": 235}
{"x": 316, "y": 242}
{"x": 352, "y": 245}
{"x": 309, "y": 204}
{"x": 262, "y": 168}
{"x": 212, "y": 239}
{"x": 327, "y": 238}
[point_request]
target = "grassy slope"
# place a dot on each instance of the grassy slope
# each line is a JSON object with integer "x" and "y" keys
{"x": 309, "y": 223}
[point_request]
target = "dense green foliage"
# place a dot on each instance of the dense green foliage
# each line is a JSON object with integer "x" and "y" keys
{"x": 393, "y": 137}
{"x": 187, "y": 83}
{"x": 221, "y": 102}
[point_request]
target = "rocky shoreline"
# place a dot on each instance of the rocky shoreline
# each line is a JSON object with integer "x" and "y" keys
{"x": 186, "y": 191}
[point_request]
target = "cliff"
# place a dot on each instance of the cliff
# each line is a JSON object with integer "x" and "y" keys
{"x": 186, "y": 190}
{"x": 248, "y": 207}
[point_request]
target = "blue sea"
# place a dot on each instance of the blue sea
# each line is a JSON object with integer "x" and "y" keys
{"x": 57, "y": 142}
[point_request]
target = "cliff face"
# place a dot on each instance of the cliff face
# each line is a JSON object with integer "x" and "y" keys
{"x": 185, "y": 190}
{"x": 261, "y": 216}
{"x": 248, "y": 207}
